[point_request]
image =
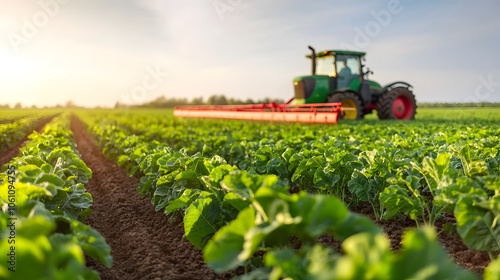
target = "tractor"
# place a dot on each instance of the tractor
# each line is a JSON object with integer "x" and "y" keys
{"x": 339, "y": 76}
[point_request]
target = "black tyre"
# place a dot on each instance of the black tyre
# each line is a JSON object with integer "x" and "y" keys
{"x": 397, "y": 104}
{"x": 351, "y": 102}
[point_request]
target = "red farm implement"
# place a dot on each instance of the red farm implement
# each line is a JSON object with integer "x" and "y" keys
{"x": 307, "y": 113}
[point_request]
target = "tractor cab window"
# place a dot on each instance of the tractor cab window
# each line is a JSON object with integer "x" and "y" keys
{"x": 348, "y": 67}
{"x": 325, "y": 65}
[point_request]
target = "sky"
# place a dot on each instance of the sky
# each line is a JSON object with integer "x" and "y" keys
{"x": 99, "y": 52}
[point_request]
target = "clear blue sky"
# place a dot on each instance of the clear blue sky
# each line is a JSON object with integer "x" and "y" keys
{"x": 97, "y": 52}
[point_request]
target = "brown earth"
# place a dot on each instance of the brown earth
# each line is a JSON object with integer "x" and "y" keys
{"x": 7, "y": 155}
{"x": 144, "y": 245}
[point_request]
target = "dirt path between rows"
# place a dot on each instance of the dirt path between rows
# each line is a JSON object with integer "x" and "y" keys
{"x": 7, "y": 155}
{"x": 143, "y": 243}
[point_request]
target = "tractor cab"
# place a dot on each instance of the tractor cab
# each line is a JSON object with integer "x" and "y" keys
{"x": 343, "y": 66}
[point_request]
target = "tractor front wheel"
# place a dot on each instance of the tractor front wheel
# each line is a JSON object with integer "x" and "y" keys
{"x": 397, "y": 104}
{"x": 351, "y": 102}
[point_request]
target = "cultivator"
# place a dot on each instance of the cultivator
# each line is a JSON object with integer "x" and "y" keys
{"x": 306, "y": 113}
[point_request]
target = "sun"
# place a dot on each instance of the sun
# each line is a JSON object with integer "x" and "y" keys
{"x": 14, "y": 67}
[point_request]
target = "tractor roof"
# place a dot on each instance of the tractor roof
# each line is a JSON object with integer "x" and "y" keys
{"x": 331, "y": 52}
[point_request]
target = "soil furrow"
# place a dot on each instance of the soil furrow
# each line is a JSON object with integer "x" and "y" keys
{"x": 143, "y": 243}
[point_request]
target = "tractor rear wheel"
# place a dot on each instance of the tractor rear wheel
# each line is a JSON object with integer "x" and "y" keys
{"x": 397, "y": 104}
{"x": 349, "y": 101}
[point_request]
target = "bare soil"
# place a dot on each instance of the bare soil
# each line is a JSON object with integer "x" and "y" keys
{"x": 144, "y": 245}
{"x": 7, "y": 155}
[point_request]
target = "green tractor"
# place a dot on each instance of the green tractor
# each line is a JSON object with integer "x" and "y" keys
{"x": 338, "y": 76}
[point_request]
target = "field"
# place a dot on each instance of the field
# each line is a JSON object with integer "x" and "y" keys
{"x": 139, "y": 194}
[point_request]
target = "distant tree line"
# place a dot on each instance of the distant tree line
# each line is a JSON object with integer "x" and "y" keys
{"x": 458, "y": 105}
{"x": 217, "y": 99}
{"x": 18, "y": 105}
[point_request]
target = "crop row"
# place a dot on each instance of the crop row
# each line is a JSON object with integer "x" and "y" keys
{"x": 232, "y": 212}
{"x": 44, "y": 204}
{"x": 12, "y": 132}
{"x": 7, "y": 116}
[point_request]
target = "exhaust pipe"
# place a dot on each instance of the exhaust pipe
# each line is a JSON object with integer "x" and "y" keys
{"x": 313, "y": 58}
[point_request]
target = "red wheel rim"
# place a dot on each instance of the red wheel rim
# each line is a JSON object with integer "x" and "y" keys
{"x": 403, "y": 107}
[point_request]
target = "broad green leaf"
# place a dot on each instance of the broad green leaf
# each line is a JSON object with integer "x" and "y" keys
{"x": 359, "y": 186}
{"x": 235, "y": 201}
{"x": 197, "y": 165}
{"x": 219, "y": 172}
{"x": 222, "y": 252}
{"x": 277, "y": 166}
{"x": 145, "y": 184}
{"x": 30, "y": 171}
{"x": 167, "y": 178}
{"x": 256, "y": 235}
{"x": 491, "y": 182}
{"x": 186, "y": 199}
{"x": 434, "y": 169}
{"x": 202, "y": 220}
{"x": 33, "y": 160}
{"x": 31, "y": 258}
{"x": 187, "y": 175}
{"x": 31, "y": 208}
{"x": 472, "y": 167}
{"x": 492, "y": 272}
{"x": 461, "y": 187}
{"x": 325, "y": 178}
{"x": 422, "y": 257}
{"x": 397, "y": 200}
{"x": 315, "y": 162}
{"x": 24, "y": 191}
{"x": 354, "y": 224}
{"x": 49, "y": 181}
{"x": 66, "y": 261}
{"x": 216, "y": 161}
{"x": 246, "y": 185}
{"x": 318, "y": 213}
{"x": 39, "y": 257}
{"x": 477, "y": 223}
{"x": 286, "y": 263}
{"x": 294, "y": 161}
{"x": 71, "y": 200}
{"x": 366, "y": 256}
{"x": 34, "y": 226}
{"x": 92, "y": 243}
